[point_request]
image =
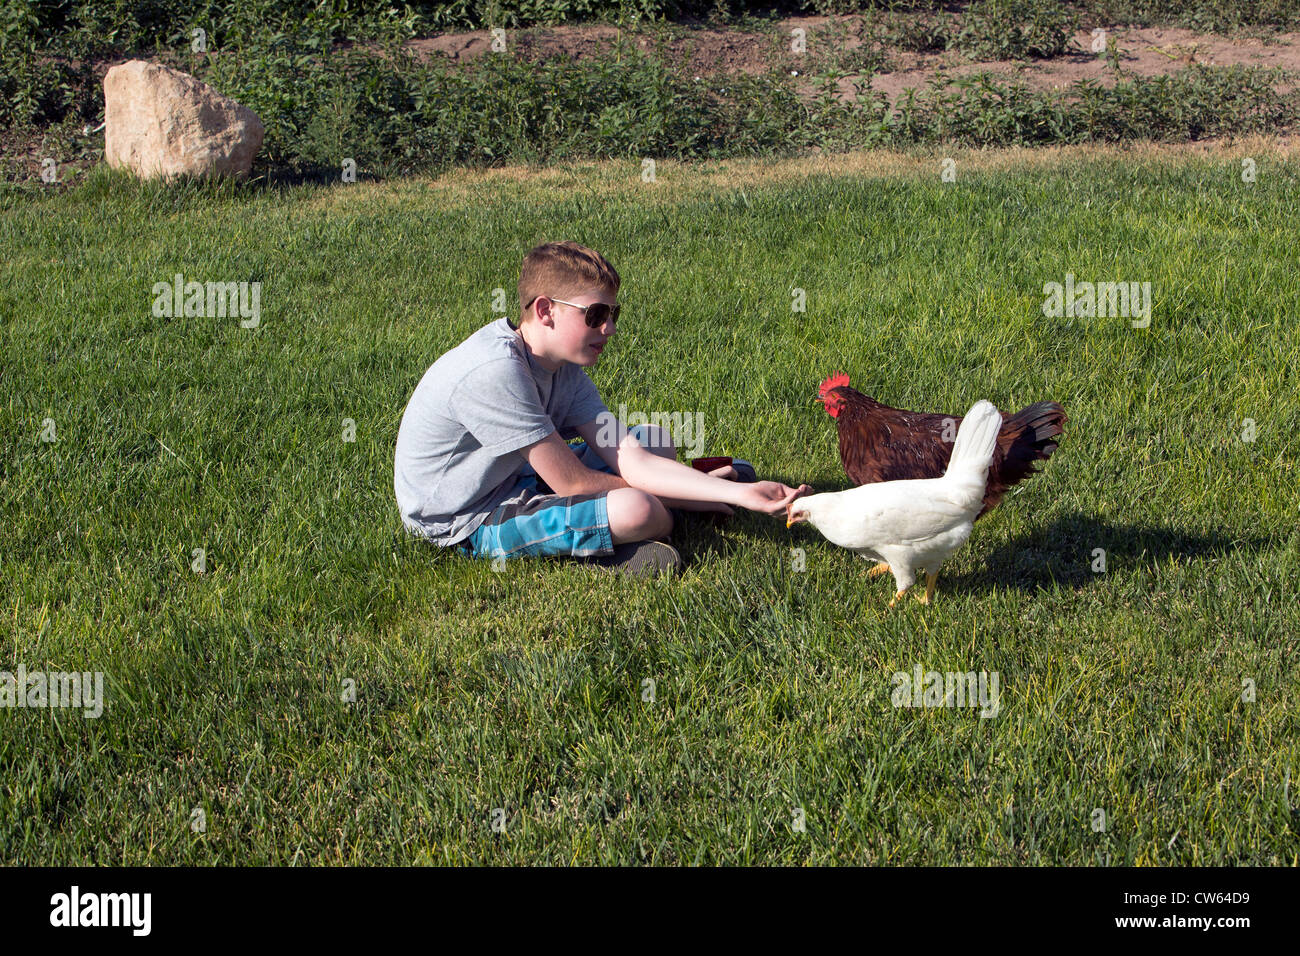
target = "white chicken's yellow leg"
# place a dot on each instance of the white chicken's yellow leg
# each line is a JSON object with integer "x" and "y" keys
{"x": 879, "y": 569}
{"x": 931, "y": 579}
{"x": 897, "y": 597}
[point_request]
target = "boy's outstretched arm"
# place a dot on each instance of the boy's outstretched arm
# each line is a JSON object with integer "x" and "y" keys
{"x": 665, "y": 478}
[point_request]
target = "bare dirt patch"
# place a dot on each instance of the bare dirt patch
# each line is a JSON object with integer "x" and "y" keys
{"x": 1157, "y": 51}
{"x": 705, "y": 51}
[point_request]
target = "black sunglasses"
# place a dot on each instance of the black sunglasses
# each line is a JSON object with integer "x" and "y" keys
{"x": 596, "y": 314}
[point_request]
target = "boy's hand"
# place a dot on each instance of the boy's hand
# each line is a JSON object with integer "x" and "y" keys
{"x": 769, "y": 497}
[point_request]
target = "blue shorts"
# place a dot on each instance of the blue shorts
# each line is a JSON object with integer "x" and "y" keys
{"x": 537, "y": 522}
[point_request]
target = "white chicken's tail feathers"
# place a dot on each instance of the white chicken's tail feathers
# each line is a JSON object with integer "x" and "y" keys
{"x": 977, "y": 439}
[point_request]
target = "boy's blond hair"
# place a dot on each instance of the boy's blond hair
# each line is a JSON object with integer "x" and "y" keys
{"x": 562, "y": 270}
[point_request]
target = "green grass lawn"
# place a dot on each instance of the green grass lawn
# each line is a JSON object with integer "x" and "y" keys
{"x": 525, "y": 691}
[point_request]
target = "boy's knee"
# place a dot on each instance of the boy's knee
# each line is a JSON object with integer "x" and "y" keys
{"x": 635, "y": 515}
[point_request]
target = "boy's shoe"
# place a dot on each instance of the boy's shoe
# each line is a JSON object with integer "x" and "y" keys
{"x": 641, "y": 559}
{"x": 744, "y": 470}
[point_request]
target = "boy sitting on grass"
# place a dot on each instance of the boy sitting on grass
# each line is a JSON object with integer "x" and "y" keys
{"x": 481, "y": 459}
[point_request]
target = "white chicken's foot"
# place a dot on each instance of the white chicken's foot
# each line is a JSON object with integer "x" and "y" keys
{"x": 931, "y": 579}
{"x": 897, "y": 597}
{"x": 880, "y": 568}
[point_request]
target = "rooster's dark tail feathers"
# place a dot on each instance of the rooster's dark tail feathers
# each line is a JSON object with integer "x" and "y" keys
{"x": 1035, "y": 432}
{"x": 1028, "y": 436}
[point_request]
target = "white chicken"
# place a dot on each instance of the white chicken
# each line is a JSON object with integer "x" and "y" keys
{"x": 915, "y": 523}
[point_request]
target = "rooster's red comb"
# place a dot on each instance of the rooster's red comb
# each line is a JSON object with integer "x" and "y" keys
{"x": 835, "y": 381}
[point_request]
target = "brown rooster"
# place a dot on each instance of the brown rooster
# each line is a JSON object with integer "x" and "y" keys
{"x": 879, "y": 443}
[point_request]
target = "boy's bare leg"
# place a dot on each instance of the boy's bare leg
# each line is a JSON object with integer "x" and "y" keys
{"x": 635, "y": 515}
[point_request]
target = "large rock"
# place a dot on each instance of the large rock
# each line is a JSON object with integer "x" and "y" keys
{"x": 162, "y": 122}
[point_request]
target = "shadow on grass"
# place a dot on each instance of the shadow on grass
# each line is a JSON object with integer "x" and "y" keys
{"x": 1062, "y": 553}
{"x": 285, "y": 177}
{"x": 1057, "y": 554}
{"x": 181, "y": 192}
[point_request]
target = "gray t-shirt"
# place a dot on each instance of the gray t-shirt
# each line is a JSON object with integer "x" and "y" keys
{"x": 458, "y": 455}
